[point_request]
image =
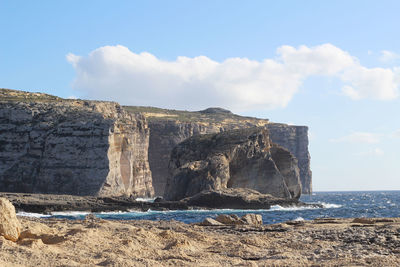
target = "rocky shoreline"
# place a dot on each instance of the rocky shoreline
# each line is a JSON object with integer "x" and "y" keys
{"x": 235, "y": 199}
{"x": 227, "y": 240}
{"x": 96, "y": 242}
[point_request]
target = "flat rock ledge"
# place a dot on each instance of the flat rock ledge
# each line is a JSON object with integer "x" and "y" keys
{"x": 97, "y": 242}
{"x": 228, "y": 198}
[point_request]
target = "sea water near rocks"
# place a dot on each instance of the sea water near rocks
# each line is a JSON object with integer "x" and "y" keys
{"x": 336, "y": 205}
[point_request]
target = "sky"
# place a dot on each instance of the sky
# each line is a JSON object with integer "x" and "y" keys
{"x": 331, "y": 65}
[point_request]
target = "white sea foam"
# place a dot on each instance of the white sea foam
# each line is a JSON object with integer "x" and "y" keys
{"x": 292, "y": 208}
{"x": 299, "y": 219}
{"x": 144, "y": 199}
{"x": 119, "y": 212}
{"x": 32, "y": 214}
{"x": 70, "y": 213}
{"x": 196, "y": 211}
{"x": 136, "y": 213}
{"x": 330, "y": 205}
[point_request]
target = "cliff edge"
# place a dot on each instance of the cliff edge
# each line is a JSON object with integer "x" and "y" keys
{"x": 61, "y": 146}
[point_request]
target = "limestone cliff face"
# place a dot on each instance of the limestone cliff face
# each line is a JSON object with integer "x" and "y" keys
{"x": 53, "y": 145}
{"x": 295, "y": 139}
{"x": 166, "y": 134}
{"x": 244, "y": 158}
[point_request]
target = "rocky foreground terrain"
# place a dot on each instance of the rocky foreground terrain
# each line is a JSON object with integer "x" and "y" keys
{"x": 94, "y": 242}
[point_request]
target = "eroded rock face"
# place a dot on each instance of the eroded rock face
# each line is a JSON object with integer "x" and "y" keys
{"x": 243, "y": 158}
{"x": 295, "y": 139}
{"x": 10, "y": 227}
{"x": 71, "y": 147}
{"x": 166, "y": 134}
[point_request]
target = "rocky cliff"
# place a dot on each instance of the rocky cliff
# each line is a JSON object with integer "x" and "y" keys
{"x": 54, "y": 145}
{"x": 243, "y": 158}
{"x": 170, "y": 127}
{"x": 295, "y": 139}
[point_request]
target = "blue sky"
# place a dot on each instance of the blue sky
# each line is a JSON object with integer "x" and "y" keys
{"x": 331, "y": 65}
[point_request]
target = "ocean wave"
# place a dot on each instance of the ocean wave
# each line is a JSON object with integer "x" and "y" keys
{"x": 291, "y": 208}
{"x": 145, "y": 199}
{"x": 118, "y": 212}
{"x": 70, "y": 213}
{"x": 330, "y": 205}
{"x": 32, "y": 214}
{"x": 136, "y": 213}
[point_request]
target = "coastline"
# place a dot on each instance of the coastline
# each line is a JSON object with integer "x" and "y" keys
{"x": 47, "y": 203}
{"x": 97, "y": 242}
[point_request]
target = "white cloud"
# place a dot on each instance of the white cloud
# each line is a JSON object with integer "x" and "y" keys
{"x": 116, "y": 73}
{"x": 388, "y": 56}
{"x": 358, "y": 137}
{"x": 397, "y": 133}
{"x": 377, "y": 83}
{"x": 376, "y": 152}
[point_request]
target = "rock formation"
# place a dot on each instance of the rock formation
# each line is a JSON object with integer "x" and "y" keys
{"x": 54, "y": 145}
{"x": 170, "y": 127}
{"x": 244, "y": 158}
{"x": 294, "y": 139}
{"x": 10, "y": 227}
{"x": 164, "y": 136}
{"x": 233, "y": 219}
{"x": 60, "y": 146}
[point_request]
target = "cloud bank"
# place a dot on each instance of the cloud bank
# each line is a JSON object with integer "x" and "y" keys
{"x": 115, "y": 72}
{"x": 375, "y": 152}
{"x": 358, "y": 137}
{"x": 388, "y": 56}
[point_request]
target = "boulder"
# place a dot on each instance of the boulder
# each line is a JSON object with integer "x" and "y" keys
{"x": 10, "y": 227}
{"x": 233, "y": 219}
{"x": 210, "y": 222}
{"x": 231, "y": 198}
{"x": 244, "y": 158}
{"x": 228, "y": 219}
{"x": 252, "y": 219}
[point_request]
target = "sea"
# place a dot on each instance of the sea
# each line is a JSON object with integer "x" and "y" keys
{"x": 335, "y": 205}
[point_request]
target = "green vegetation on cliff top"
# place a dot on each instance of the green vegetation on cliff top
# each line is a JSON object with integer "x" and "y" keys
{"x": 15, "y": 95}
{"x": 206, "y": 116}
{"x": 210, "y": 115}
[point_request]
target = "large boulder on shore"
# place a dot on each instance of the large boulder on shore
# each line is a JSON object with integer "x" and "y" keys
{"x": 236, "y": 198}
{"x": 244, "y": 158}
{"x": 233, "y": 219}
{"x": 10, "y": 227}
